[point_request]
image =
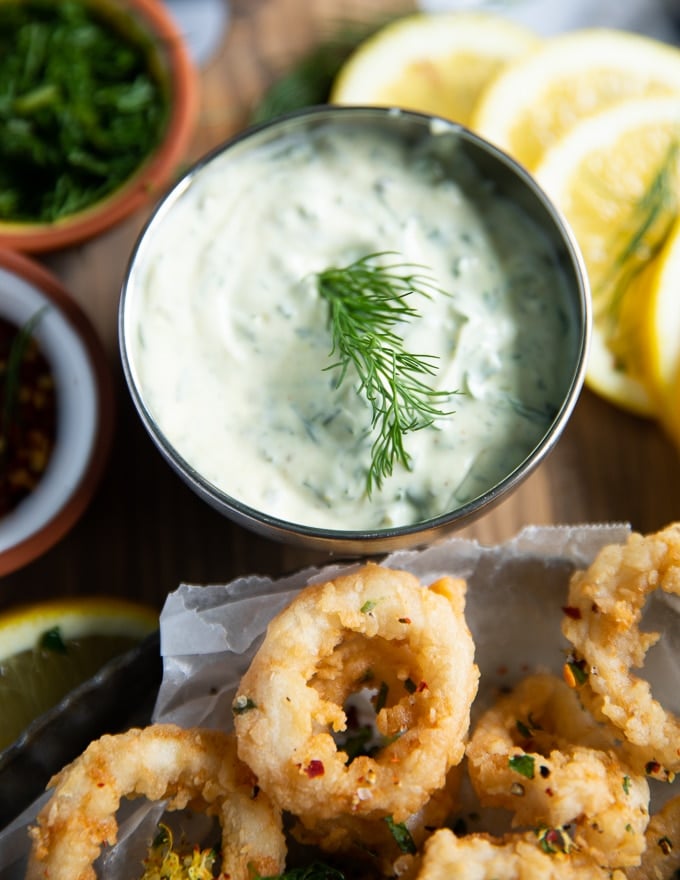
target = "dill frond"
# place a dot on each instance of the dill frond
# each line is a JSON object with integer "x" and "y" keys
{"x": 366, "y": 299}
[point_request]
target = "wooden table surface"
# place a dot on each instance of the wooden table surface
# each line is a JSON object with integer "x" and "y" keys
{"x": 145, "y": 531}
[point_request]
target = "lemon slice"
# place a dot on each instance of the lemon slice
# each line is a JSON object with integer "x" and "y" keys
{"x": 614, "y": 176}
{"x": 655, "y": 315}
{"x": 535, "y": 100}
{"x": 434, "y": 63}
{"x": 49, "y": 648}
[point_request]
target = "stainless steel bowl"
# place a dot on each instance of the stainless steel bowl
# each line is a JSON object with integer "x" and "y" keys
{"x": 509, "y": 179}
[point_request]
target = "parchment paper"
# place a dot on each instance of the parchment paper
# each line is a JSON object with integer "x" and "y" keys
{"x": 515, "y": 596}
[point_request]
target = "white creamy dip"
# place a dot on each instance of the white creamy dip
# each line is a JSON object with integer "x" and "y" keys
{"x": 231, "y": 346}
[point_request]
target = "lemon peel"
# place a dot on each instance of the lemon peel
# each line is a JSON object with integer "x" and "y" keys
{"x": 432, "y": 62}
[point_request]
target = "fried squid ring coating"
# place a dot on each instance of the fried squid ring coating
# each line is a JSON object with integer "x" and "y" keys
{"x": 525, "y": 755}
{"x": 194, "y": 768}
{"x": 513, "y": 857}
{"x": 291, "y": 699}
{"x": 661, "y": 858}
{"x": 602, "y": 619}
{"x": 371, "y": 842}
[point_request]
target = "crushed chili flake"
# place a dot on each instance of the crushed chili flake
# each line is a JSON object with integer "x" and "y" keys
{"x": 655, "y": 770}
{"x": 314, "y": 768}
{"x": 574, "y": 672}
{"x": 28, "y": 415}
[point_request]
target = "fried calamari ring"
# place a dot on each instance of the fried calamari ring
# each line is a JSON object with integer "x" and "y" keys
{"x": 377, "y": 843}
{"x": 513, "y": 857}
{"x": 193, "y": 767}
{"x": 525, "y": 755}
{"x": 661, "y": 858}
{"x": 602, "y": 619}
{"x": 291, "y": 699}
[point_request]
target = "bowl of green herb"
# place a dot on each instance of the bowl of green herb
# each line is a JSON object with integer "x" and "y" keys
{"x": 56, "y": 410}
{"x": 355, "y": 328}
{"x": 97, "y": 105}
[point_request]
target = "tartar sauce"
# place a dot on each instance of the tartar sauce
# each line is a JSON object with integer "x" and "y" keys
{"x": 231, "y": 343}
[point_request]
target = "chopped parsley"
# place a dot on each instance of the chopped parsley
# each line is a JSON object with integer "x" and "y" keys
{"x": 52, "y": 640}
{"x": 402, "y": 835}
{"x": 522, "y": 764}
{"x": 80, "y": 108}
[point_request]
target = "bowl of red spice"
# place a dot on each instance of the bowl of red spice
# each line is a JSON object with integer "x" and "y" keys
{"x": 56, "y": 410}
{"x": 97, "y": 108}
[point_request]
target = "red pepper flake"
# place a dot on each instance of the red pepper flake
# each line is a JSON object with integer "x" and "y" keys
{"x": 655, "y": 770}
{"x": 28, "y": 413}
{"x": 404, "y": 620}
{"x": 422, "y": 686}
{"x": 571, "y": 611}
{"x": 314, "y": 768}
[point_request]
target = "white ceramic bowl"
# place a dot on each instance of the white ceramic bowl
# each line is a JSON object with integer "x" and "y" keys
{"x": 84, "y": 410}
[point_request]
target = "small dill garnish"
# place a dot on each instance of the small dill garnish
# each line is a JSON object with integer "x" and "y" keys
{"x": 652, "y": 217}
{"x": 366, "y": 299}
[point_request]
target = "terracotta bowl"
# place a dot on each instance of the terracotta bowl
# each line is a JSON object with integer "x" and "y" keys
{"x": 85, "y": 410}
{"x": 169, "y": 56}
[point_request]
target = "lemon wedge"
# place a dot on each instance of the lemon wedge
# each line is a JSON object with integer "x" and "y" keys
{"x": 614, "y": 176}
{"x": 431, "y": 62}
{"x": 650, "y": 318}
{"x": 655, "y": 314}
{"x": 49, "y": 648}
{"x": 536, "y": 99}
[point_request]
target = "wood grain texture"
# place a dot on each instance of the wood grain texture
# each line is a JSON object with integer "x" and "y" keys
{"x": 145, "y": 531}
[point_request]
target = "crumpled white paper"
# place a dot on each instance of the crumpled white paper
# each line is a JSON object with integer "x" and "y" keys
{"x": 515, "y": 596}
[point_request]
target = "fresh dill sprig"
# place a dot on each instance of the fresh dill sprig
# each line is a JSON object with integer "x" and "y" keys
{"x": 652, "y": 217}
{"x": 366, "y": 299}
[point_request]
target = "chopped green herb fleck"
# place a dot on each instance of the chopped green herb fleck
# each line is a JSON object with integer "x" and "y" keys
{"x": 523, "y": 730}
{"x": 368, "y": 606}
{"x": 522, "y": 764}
{"x": 52, "y": 640}
{"x": 577, "y": 668}
{"x": 402, "y": 835}
{"x": 315, "y": 871}
{"x": 627, "y": 784}
{"x": 357, "y": 742}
